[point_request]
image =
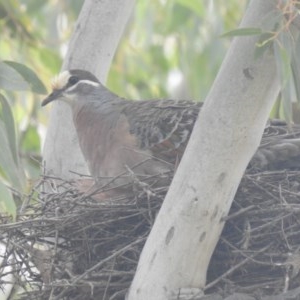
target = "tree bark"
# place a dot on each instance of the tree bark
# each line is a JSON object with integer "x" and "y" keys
{"x": 97, "y": 33}
{"x": 226, "y": 135}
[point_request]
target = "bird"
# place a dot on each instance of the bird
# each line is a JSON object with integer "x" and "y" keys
{"x": 116, "y": 134}
{"x": 147, "y": 137}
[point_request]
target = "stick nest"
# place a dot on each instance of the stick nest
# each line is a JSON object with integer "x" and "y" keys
{"x": 68, "y": 246}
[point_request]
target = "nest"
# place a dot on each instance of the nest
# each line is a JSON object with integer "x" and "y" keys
{"x": 69, "y": 246}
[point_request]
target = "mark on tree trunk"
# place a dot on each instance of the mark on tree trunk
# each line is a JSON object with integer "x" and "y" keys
{"x": 170, "y": 235}
{"x": 202, "y": 237}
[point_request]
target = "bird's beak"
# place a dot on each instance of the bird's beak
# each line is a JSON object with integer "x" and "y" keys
{"x": 56, "y": 94}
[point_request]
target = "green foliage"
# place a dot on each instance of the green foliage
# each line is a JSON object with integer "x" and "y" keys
{"x": 9, "y": 126}
{"x": 170, "y": 45}
{"x": 242, "y": 32}
{"x": 17, "y": 77}
{"x": 7, "y": 203}
{"x": 13, "y": 77}
{"x": 10, "y": 79}
{"x": 10, "y": 170}
{"x": 33, "y": 82}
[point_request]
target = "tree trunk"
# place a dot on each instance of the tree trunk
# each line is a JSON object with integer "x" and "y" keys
{"x": 226, "y": 135}
{"x": 97, "y": 33}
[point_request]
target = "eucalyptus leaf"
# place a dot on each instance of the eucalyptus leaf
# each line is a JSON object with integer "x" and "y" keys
{"x": 296, "y": 68}
{"x": 29, "y": 76}
{"x": 12, "y": 171}
{"x": 7, "y": 203}
{"x": 10, "y": 79}
{"x": 7, "y": 116}
{"x": 288, "y": 95}
{"x": 242, "y": 32}
{"x": 283, "y": 63}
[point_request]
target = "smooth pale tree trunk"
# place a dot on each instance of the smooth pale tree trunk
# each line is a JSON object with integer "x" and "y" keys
{"x": 226, "y": 135}
{"x": 97, "y": 33}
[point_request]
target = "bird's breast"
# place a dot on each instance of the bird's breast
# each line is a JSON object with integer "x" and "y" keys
{"x": 110, "y": 149}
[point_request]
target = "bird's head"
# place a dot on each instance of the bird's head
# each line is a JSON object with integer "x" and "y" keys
{"x": 72, "y": 85}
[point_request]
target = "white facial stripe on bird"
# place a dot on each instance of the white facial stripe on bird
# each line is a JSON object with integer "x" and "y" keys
{"x": 60, "y": 81}
{"x": 86, "y": 81}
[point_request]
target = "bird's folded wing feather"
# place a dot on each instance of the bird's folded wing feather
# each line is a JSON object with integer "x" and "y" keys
{"x": 279, "y": 148}
{"x": 163, "y": 127}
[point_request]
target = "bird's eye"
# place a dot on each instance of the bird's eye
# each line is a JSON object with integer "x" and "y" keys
{"x": 73, "y": 80}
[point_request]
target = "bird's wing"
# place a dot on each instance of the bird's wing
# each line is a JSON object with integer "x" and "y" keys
{"x": 163, "y": 127}
{"x": 279, "y": 148}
